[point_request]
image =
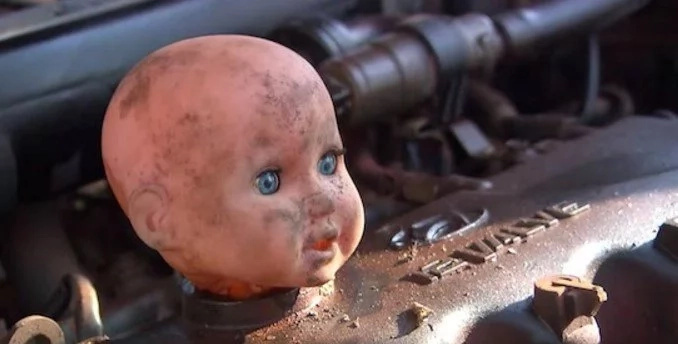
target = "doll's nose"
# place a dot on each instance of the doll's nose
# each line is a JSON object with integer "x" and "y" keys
{"x": 318, "y": 205}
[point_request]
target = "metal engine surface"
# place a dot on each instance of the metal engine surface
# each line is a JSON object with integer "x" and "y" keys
{"x": 627, "y": 174}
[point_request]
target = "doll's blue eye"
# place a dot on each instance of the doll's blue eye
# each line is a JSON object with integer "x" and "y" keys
{"x": 328, "y": 164}
{"x": 268, "y": 182}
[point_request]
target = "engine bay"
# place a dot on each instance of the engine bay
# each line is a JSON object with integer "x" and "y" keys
{"x": 515, "y": 160}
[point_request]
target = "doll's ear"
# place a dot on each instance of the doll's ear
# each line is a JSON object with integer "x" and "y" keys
{"x": 147, "y": 210}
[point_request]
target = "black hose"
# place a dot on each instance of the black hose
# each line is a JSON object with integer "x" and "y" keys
{"x": 592, "y": 79}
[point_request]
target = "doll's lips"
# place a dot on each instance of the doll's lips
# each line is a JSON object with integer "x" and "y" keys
{"x": 321, "y": 248}
{"x": 318, "y": 259}
{"x": 322, "y": 245}
{"x": 323, "y": 240}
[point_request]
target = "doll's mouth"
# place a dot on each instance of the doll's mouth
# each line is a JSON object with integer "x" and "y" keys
{"x": 320, "y": 258}
{"x": 321, "y": 248}
{"x": 322, "y": 245}
{"x": 323, "y": 240}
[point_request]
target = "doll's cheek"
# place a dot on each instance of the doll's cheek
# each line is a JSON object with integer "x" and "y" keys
{"x": 284, "y": 223}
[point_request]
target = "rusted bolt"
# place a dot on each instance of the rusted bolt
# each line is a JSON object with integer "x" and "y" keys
{"x": 559, "y": 300}
{"x": 667, "y": 238}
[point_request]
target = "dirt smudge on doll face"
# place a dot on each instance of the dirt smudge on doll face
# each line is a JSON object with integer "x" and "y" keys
{"x": 138, "y": 84}
{"x": 292, "y": 220}
{"x": 286, "y": 101}
{"x": 262, "y": 141}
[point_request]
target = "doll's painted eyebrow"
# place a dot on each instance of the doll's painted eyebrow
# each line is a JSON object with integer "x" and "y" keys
{"x": 338, "y": 151}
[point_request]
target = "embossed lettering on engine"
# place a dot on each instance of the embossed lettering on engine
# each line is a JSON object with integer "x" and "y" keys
{"x": 492, "y": 245}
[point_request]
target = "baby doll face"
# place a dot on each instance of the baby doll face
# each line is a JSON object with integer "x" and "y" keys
{"x": 232, "y": 165}
{"x": 296, "y": 210}
{"x": 285, "y": 211}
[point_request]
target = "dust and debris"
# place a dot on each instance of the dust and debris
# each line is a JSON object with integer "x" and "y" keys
{"x": 269, "y": 338}
{"x": 355, "y": 324}
{"x": 420, "y": 312}
{"x": 326, "y": 289}
{"x": 413, "y": 251}
{"x": 408, "y": 256}
{"x": 512, "y": 250}
{"x": 403, "y": 259}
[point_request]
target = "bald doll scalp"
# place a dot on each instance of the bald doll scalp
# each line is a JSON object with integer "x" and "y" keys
{"x": 198, "y": 122}
{"x": 135, "y": 88}
{"x": 281, "y": 99}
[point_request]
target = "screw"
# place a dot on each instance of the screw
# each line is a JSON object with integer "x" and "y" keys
{"x": 667, "y": 238}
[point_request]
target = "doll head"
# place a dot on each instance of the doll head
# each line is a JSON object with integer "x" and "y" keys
{"x": 224, "y": 153}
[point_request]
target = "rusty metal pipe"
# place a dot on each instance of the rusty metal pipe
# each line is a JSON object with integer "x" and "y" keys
{"x": 546, "y": 21}
{"x": 319, "y": 39}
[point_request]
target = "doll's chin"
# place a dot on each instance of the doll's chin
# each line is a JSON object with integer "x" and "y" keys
{"x": 316, "y": 281}
{"x": 320, "y": 276}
